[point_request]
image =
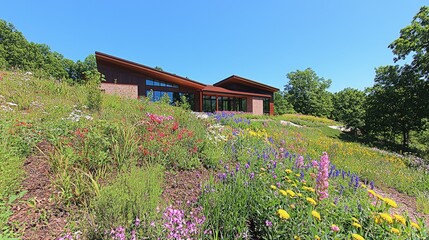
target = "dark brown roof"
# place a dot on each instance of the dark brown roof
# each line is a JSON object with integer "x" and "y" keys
{"x": 245, "y": 81}
{"x": 161, "y": 75}
{"x": 223, "y": 91}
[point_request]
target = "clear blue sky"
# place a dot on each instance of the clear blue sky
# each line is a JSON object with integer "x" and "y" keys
{"x": 208, "y": 41}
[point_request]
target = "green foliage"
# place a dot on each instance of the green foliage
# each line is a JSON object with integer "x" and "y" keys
{"x": 397, "y": 104}
{"x": 132, "y": 195}
{"x": 281, "y": 104}
{"x": 17, "y": 53}
{"x": 94, "y": 93}
{"x": 308, "y": 93}
{"x": 413, "y": 40}
{"x": 349, "y": 107}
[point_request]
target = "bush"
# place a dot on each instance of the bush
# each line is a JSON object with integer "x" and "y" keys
{"x": 131, "y": 196}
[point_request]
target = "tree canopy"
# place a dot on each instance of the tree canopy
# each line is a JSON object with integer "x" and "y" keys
{"x": 18, "y": 53}
{"x": 308, "y": 93}
{"x": 414, "y": 40}
{"x": 349, "y": 107}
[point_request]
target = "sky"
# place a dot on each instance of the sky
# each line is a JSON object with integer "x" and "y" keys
{"x": 208, "y": 41}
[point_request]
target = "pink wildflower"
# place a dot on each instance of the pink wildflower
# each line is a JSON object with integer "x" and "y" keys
{"x": 322, "y": 183}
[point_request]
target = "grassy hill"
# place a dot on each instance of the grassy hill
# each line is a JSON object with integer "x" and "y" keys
{"x": 126, "y": 168}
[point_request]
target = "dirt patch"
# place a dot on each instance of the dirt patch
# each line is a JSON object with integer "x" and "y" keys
{"x": 36, "y": 215}
{"x": 184, "y": 186}
{"x": 405, "y": 203}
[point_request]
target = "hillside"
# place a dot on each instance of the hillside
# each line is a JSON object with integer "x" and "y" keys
{"x": 78, "y": 165}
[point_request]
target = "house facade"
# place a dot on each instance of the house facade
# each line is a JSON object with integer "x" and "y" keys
{"x": 133, "y": 80}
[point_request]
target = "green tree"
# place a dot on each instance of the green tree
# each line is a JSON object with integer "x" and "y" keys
{"x": 397, "y": 104}
{"x": 414, "y": 40}
{"x": 308, "y": 93}
{"x": 281, "y": 105}
{"x": 349, "y": 107}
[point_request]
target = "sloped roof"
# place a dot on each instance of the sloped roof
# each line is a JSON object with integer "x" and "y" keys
{"x": 224, "y": 91}
{"x": 245, "y": 81}
{"x": 161, "y": 75}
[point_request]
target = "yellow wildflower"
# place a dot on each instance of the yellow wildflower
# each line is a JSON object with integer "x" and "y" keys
{"x": 292, "y": 206}
{"x": 289, "y": 181}
{"x": 288, "y": 171}
{"x": 315, "y": 214}
{"x": 415, "y": 225}
{"x": 294, "y": 185}
{"x": 395, "y": 231}
{"x": 312, "y": 201}
{"x": 286, "y": 177}
{"x": 400, "y": 219}
{"x": 356, "y": 236}
{"x": 355, "y": 224}
{"x": 377, "y": 219}
{"x": 363, "y": 186}
{"x": 262, "y": 169}
{"x": 379, "y": 197}
{"x": 291, "y": 193}
{"x": 283, "y": 214}
{"x": 387, "y": 217}
{"x": 316, "y": 237}
{"x": 298, "y": 175}
{"x": 273, "y": 187}
{"x": 283, "y": 192}
{"x": 296, "y": 237}
{"x": 355, "y": 219}
{"x": 299, "y": 194}
{"x": 390, "y": 202}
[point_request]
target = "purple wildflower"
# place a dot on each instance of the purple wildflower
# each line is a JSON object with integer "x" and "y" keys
{"x": 322, "y": 183}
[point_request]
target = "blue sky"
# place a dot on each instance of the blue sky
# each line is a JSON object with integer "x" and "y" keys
{"x": 208, "y": 41}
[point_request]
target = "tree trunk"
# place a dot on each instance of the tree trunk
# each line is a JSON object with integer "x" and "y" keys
{"x": 405, "y": 139}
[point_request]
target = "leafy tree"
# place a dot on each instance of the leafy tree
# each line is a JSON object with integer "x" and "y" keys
{"x": 349, "y": 107}
{"x": 414, "y": 40}
{"x": 308, "y": 93}
{"x": 281, "y": 105}
{"x": 397, "y": 104}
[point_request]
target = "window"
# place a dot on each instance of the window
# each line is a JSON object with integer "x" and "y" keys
{"x": 157, "y": 83}
{"x": 232, "y": 104}
{"x": 174, "y": 97}
{"x": 266, "y": 105}
{"x": 209, "y": 104}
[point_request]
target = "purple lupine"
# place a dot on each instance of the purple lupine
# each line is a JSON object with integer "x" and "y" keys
{"x": 251, "y": 175}
{"x": 322, "y": 183}
{"x": 299, "y": 162}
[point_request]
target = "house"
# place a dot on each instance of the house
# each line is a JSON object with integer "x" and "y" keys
{"x": 135, "y": 80}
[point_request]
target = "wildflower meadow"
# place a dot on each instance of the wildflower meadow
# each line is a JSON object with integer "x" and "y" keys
{"x": 110, "y": 172}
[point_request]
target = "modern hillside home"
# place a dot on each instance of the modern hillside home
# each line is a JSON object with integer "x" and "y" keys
{"x": 135, "y": 80}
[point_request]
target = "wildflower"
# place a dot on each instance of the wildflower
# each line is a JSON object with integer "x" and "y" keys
{"x": 291, "y": 193}
{"x": 251, "y": 175}
{"x": 356, "y": 236}
{"x": 322, "y": 177}
{"x": 137, "y": 222}
{"x": 371, "y": 193}
{"x": 355, "y": 224}
{"x": 390, "y": 202}
{"x": 386, "y": 217}
{"x": 395, "y": 231}
{"x": 283, "y": 214}
{"x": 273, "y": 187}
{"x": 299, "y": 194}
{"x": 315, "y": 214}
{"x": 335, "y": 228}
{"x": 399, "y": 218}
{"x": 288, "y": 171}
{"x": 268, "y": 223}
{"x": 296, "y": 237}
{"x": 355, "y": 219}
{"x": 311, "y": 201}
{"x": 316, "y": 237}
{"x": 314, "y": 163}
{"x": 415, "y": 225}
{"x": 292, "y": 206}
{"x": 262, "y": 169}
{"x": 300, "y": 162}
{"x": 283, "y": 192}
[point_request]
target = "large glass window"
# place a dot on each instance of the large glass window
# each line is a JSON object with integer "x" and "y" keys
{"x": 173, "y": 96}
{"x": 209, "y": 104}
{"x": 232, "y": 104}
{"x": 267, "y": 105}
{"x": 157, "y": 83}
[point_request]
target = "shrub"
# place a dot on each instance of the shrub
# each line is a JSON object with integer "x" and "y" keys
{"x": 133, "y": 195}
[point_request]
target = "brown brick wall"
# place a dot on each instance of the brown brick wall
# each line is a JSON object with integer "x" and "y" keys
{"x": 125, "y": 90}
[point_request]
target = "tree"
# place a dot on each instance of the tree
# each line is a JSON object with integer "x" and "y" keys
{"x": 397, "y": 104}
{"x": 308, "y": 93}
{"x": 349, "y": 107}
{"x": 414, "y": 40}
{"x": 281, "y": 105}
